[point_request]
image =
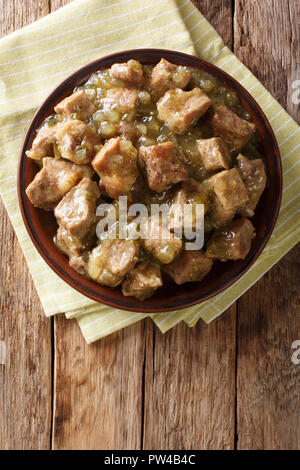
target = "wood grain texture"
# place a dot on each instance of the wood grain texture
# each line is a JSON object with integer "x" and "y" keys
{"x": 25, "y": 376}
{"x": 17, "y": 13}
{"x": 55, "y": 4}
{"x": 25, "y": 369}
{"x": 190, "y": 386}
{"x": 219, "y": 14}
{"x": 268, "y": 397}
{"x": 98, "y": 389}
{"x": 266, "y": 38}
{"x": 268, "y": 385}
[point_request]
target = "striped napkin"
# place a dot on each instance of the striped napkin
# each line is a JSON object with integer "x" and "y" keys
{"x": 38, "y": 57}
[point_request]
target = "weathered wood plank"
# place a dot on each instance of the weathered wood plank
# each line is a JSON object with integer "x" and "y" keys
{"x": 267, "y": 39}
{"x": 17, "y": 13}
{"x": 219, "y": 14}
{"x": 190, "y": 386}
{"x": 268, "y": 385}
{"x": 268, "y": 399}
{"x": 25, "y": 369}
{"x": 98, "y": 389}
{"x": 55, "y": 4}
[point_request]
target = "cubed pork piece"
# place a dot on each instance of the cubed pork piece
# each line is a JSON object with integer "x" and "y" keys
{"x": 130, "y": 72}
{"x": 229, "y": 188}
{"x": 214, "y": 154}
{"x": 76, "y": 212}
{"x": 54, "y": 180}
{"x": 142, "y": 281}
{"x": 127, "y": 130}
{"x": 234, "y": 130}
{"x": 255, "y": 179}
{"x": 76, "y": 106}
{"x": 42, "y": 146}
{"x": 189, "y": 266}
{"x": 232, "y": 241}
{"x": 72, "y": 247}
{"x": 110, "y": 261}
{"x": 191, "y": 193}
{"x": 162, "y": 165}
{"x": 166, "y": 76}
{"x": 218, "y": 215}
{"x": 158, "y": 240}
{"x": 123, "y": 100}
{"x": 116, "y": 164}
{"x": 77, "y": 141}
{"x": 181, "y": 109}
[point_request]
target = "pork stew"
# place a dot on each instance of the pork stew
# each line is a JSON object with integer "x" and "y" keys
{"x": 160, "y": 133}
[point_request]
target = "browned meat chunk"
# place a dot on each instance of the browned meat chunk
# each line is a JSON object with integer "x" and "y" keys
{"x": 77, "y": 141}
{"x": 160, "y": 242}
{"x": 255, "y": 179}
{"x": 128, "y": 130}
{"x": 76, "y": 212}
{"x": 214, "y": 154}
{"x": 42, "y": 146}
{"x": 54, "y": 180}
{"x": 76, "y": 216}
{"x": 116, "y": 165}
{"x": 232, "y": 241}
{"x": 71, "y": 247}
{"x": 76, "y": 105}
{"x": 189, "y": 266}
{"x": 130, "y": 72}
{"x": 166, "y": 75}
{"x": 190, "y": 192}
{"x": 162, "y": 165}
{"x": 229, "y": 188}
{"x": 218, "y": 214}
{"x": 110, "y": 261}
{"x": 123, "y": 100}
{"x": 142, "y": 281}
{"x": 181, "y": 109}
{"x": 234, "y": 130}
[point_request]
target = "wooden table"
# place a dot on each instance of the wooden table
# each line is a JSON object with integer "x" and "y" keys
{"x": 228, "y": 385}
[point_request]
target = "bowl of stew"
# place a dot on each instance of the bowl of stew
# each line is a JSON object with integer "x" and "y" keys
{"x": 155, "y": 127}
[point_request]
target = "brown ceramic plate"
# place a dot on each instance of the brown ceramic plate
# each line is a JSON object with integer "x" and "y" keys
{"x": 41, "y": 225}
